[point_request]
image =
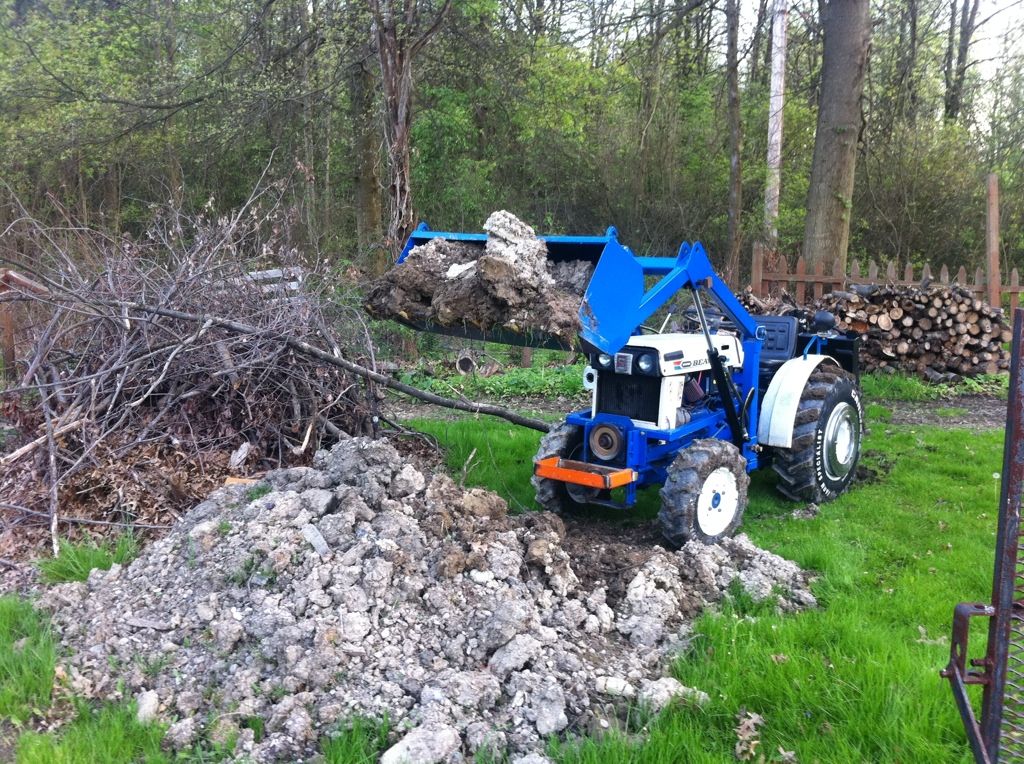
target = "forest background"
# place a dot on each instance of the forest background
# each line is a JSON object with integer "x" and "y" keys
{"x": 574, "y": 114}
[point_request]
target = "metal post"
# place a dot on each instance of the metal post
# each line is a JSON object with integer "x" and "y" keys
{"x": 1001, "y": 712}
{"x": 999, "y": 734}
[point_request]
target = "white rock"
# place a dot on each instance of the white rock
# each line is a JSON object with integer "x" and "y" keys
{"x": 481, "y": 576}
{"x": 354, "y": 626}
{"x": 549, "y": 707}
{"x": 316, "y": 540}
{"x": 429, "y": 744}
{"x": 514, "y": 655}
{"x": 531, "y": 758}
{"x": 148, "y": 703}
{"x": 615, "y": 686}
{"x": 181, "y": 734}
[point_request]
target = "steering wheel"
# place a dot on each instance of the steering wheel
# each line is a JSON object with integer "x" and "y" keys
{"x": 715, "y": 317}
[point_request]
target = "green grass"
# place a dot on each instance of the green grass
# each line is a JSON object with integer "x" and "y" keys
{"x": 106, "y": 735}
{"x": 359, "y": 741}
{"x": 859, "y": 679}
{"x": 903, "y": 387}
{"x": 537, "y": 382}
{"x": 76, "y": 560}
{"x": 27, "y": 658}
{"x": 257, "y": 492}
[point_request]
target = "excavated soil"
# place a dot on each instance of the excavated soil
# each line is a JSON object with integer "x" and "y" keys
{"x": 973, "y": 412}
{"x": 364, "y": 587}
{"x": 506, "y": 284}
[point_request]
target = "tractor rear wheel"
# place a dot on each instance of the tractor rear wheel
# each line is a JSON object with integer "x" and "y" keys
{"x": 705, "y": 493}
{"x": 565, "y": 441}
{"x": 822, "y": 461}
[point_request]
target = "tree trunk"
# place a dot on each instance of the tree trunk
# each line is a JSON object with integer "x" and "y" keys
{"x": 399, "y": 41}
{"x": 396, "y": 77}
{"x": 956, "y": 75}
{"x": 847, "y": 33}
{"x": 365, "y": 143}
{"x": 754, "y": 76}
{"x": 776, "y": 102}
{"x": 732, "y": 269}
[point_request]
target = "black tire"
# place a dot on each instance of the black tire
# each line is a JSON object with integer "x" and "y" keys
{"x": 827, "y": 437}
{"x": 565, "y": 441}
{"x": 692, "y": 496}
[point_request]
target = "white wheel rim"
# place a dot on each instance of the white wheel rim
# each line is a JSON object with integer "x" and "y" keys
{"x": 718, "y": 502}
{"x": 842, "y": 441}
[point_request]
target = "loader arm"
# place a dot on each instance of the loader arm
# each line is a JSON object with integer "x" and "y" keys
{"x": 617, "y": 301}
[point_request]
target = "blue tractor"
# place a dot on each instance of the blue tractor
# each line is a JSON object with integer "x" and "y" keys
{"x": 695, "y": 410}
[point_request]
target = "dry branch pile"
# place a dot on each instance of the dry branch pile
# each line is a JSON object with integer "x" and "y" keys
{"x": 508, "y": 284}
{"x": 136, "y": 415}
{"x": 937, "y": 332}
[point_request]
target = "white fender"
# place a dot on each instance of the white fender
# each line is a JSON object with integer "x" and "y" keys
{"x": 778, "y": 409}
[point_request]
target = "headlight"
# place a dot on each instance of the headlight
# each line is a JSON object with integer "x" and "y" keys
{"x": 604, "y": 361}
{"x": 645, "y": 363}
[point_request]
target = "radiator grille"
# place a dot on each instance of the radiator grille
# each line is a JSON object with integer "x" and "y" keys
{"x": 634, "y": 396}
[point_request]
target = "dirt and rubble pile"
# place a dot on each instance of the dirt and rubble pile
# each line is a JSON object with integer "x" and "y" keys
{"x": 362, "y": 587}
{"x": 506, "y": 284}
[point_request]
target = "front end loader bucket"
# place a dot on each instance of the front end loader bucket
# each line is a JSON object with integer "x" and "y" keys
{"x": 592, "y": 249}
{"x": 617, "y": 300}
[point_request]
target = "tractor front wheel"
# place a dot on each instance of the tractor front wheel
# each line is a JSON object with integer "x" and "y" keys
{"x": 705, "y": 493}
{"x": 822, "y": 461}
{"x": 565, "y": 441}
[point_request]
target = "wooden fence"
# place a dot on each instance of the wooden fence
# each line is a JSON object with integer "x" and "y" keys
{"x": 770, "y": 272}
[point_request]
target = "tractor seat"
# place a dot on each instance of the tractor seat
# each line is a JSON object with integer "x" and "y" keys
{"x": 779, "y": 345}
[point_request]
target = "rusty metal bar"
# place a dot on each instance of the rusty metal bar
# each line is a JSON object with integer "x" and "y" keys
{"x": 999, "y": 734}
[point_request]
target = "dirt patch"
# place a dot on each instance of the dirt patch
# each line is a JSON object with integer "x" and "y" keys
{"x": 973, "y": 412}
{"x": 874, "y": 466}
{"x": 505, "y": 284}
{"x": 362, "y": 586}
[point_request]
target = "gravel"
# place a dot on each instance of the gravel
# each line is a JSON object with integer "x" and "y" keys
{"x": 362, "y": 586}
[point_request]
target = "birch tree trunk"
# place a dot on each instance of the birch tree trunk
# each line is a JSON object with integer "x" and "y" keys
{"x": 776, "y": 102}
{"x": 732, "y": 270}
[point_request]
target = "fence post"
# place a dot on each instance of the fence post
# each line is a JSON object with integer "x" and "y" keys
{"x": 757, "y": 268}
{"x": 992, "y": 242}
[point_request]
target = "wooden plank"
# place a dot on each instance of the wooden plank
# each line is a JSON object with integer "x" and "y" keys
{"x": 801, "y": 287}
{"x": 855, "y": 270}
{"x": 961, "y": 276}
{"x": 782, "y": 279}
{"x": 838, "y": 280}
{"x": 944, "y": 275}
{"x": 890, "y": 272}
{"x": 873, "y": 270}
{"x": 908, "y": 274}
{"x": 992, "y": 241}
{"x": 1014, "y": 285}
{"x": 819, "y": 286}
{"x": 16, "y": 281}
{"x": 7, "y": 339}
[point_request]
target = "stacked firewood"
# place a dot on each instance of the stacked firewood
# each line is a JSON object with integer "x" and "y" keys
{"x": 937, "y": 332}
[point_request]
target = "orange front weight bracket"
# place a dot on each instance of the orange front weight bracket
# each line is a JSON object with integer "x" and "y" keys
{"x": 582, "y": 473}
